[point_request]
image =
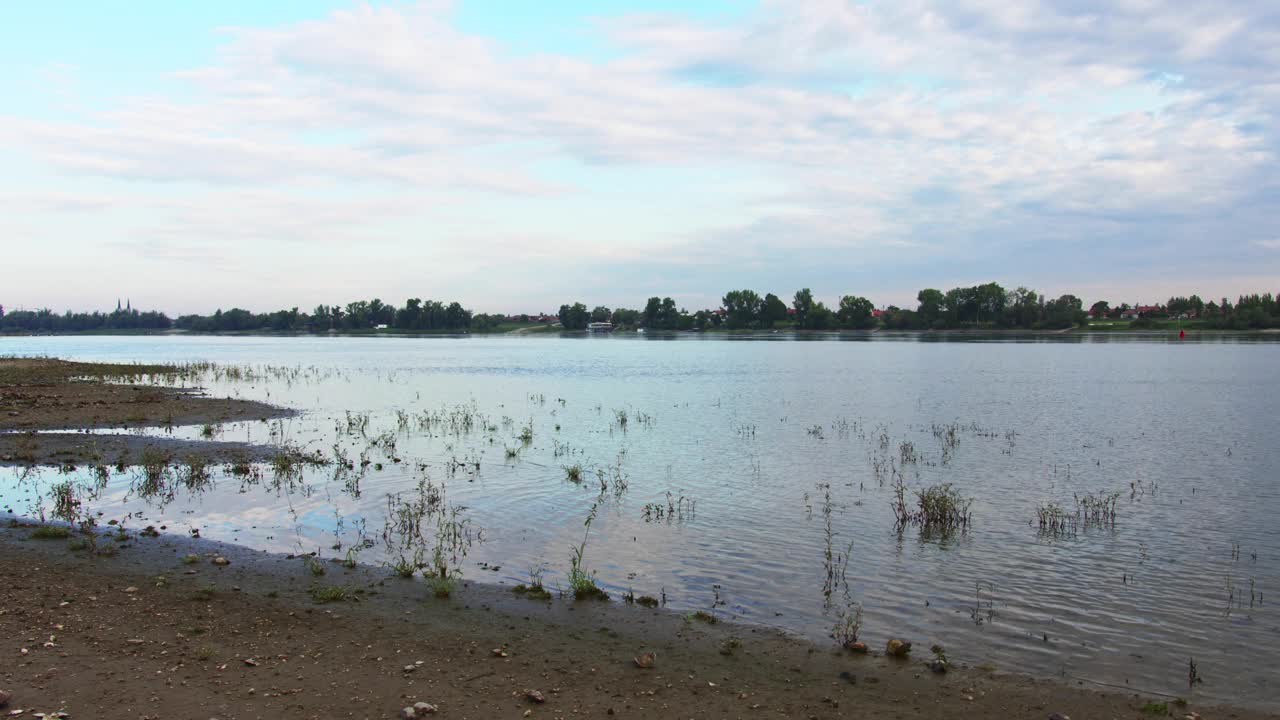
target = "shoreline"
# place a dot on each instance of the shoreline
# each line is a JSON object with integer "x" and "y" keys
{"x": 140, "y": 632}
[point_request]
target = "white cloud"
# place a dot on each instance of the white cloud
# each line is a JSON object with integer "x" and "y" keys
{"x": 973, "y": 128}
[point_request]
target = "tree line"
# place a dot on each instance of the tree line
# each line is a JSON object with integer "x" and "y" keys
{"x": 980, "y": 306}
{"x": 46, "y": 320}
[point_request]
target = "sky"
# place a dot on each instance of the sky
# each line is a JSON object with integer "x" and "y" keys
{"x": 515, "y": 156}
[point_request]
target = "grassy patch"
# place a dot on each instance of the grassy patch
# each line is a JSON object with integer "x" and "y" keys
{"x": 330, "y": 593}
{"x": 533, "y": 592}
{"x": 50, "y": 532}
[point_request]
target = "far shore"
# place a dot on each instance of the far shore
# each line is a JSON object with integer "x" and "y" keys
{"x": 556, "y": 331}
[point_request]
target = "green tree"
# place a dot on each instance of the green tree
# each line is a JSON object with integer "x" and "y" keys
{"x": 803, "y": 303}
{"x": 742, "y": 309}
{"x": 855, "y": 312}
{"x": 574, "y": 317}
{"x": 931, "y": 305}
{"x": 772, "y": 311}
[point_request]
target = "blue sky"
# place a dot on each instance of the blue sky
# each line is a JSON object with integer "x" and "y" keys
{"x": 519, "y": 155}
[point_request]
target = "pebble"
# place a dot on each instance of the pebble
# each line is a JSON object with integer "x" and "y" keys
{"x": 5, "y": 697}
{"x": 535, "y": 696}
{"x": 221, "y": 561}
{"x": 424, "y": 708}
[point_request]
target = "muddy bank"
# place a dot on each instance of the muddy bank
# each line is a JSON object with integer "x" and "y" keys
{"x": 151, "y": 627}
{"x": 50, "y": 394}
{"x": 77, "y": 449}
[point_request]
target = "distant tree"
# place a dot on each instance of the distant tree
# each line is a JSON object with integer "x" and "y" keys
{"x": 742, "y": 309}
{"x": 574, "y": 317}
{"x": 1100, "y": 309}
{"x": 601, "y": 314}
{"x": 803, "y": 303}
{"x": 931, "y": 305}
{"x": 623, "y": 316}
{"x": 772, "y": 311}
{"x": 651, "y": 310}
{"x": 820, "y": 317}
{"x": 855, "y": 313}
{"x": 1064, "y": 312}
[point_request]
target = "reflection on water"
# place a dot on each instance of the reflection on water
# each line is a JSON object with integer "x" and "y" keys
{"x": 1100, "y": 509}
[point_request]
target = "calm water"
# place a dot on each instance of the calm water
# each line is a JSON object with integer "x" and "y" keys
{"x": 785, "y": 451}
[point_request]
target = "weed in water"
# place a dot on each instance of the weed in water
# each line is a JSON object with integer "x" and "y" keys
{"x": 939, "y": 507}
{"x": 581, "y": 581}
{"x": 66, "y": 506}
{"x": 534, "y": 589}
{"x": 405, "y": 567}
{"x": 442, "y": 586}
{"x": 573, "y": 473}
{"x": 847, "y": 626}
{"x": 314, "y": 565}
{"x": 648, "y": 601}
{"x": 704, "y": 616}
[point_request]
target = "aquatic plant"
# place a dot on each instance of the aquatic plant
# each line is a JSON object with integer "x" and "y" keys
{"x": 1098, "y": 509}
{"x": 66, "y": 506}
{"x": 1054, "y": 520}
{"x": 847, "y": 626}
{"x": 938, "y": 507}
{"x": 582, "y": 581}
{"x": 534, "y": 588}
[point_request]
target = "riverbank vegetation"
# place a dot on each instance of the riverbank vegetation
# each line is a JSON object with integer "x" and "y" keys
{"x": 980, "y": 307}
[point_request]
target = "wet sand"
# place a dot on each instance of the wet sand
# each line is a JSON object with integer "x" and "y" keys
{"x": 140, "y": 633}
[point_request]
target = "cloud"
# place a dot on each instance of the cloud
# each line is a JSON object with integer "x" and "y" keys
{"x": 1006, "y": 135}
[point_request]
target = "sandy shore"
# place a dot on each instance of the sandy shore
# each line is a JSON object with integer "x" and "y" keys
{"x": 143, "y": 631}
{"x": 40, "y": 394}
